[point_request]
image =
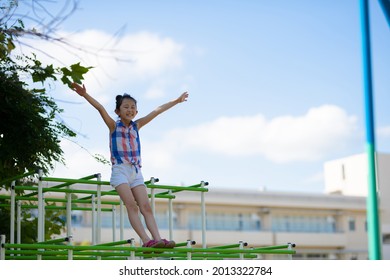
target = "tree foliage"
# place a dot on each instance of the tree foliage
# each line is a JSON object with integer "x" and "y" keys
{"x": 30, "y": 130}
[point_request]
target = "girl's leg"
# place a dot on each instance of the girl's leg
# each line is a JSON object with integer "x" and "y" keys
{"x": 141, "y": 196}
{"x": 128, "y": 199}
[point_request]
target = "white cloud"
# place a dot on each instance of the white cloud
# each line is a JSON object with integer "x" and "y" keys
{"x": 118, "y": 61}
{"x": 322, "y": 130}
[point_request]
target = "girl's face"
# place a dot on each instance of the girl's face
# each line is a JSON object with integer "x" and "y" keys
{"x": 127, "y": 110}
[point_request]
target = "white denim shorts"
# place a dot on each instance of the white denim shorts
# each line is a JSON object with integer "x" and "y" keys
{"x": 126, "y": 174}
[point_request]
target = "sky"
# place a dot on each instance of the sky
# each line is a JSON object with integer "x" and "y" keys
{"x": 275, "y": 87}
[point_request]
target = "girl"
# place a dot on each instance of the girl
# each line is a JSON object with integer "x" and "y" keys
{"x": 126, "y": 176}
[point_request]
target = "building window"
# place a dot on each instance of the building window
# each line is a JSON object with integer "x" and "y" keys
{"x": 351, "y": 224}
{"x": 162, "y": 219}
{"x": 386, "y": 238}
{"x": 303, "y": 224}
{"x": 343, "y": 172}
{"x": 225, "y": 221}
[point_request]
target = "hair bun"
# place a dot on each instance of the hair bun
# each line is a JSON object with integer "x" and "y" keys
{"x": 118, "y": 98}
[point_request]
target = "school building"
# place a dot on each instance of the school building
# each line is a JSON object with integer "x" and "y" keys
{"x": 332, "y": 225}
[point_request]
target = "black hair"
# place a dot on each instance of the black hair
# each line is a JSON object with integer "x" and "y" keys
{"x": 119, "y": 100}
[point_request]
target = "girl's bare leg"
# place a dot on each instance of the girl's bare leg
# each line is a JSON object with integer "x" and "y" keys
{"x": 129, "y": 200}
{"x": 141, "y": 196}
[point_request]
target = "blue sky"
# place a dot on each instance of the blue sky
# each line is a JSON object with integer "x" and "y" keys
{"x": 275, "y": 87}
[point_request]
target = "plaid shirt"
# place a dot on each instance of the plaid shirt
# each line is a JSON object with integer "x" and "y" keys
{"x": 125, "y": 146}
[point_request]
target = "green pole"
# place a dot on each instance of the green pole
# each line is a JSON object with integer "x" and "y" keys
{"x": 374, "y": 244}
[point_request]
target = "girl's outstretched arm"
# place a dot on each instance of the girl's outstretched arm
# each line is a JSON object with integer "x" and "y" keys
{"x": 145, "y": 120}
{"x": 82, "y": 91}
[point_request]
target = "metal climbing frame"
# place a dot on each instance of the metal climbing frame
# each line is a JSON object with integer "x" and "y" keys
{"x": 63, "y": 248}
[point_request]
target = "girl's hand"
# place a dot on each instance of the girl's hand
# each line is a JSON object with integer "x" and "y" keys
{"x": 80, "y": 90}
{"x": 182, "y": 97}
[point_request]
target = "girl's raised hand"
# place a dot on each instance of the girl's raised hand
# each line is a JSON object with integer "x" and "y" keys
{"x": 183, "y": 97}
{"x": 81, "y": 90}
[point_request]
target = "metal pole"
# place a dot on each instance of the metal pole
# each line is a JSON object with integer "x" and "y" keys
{"x": 40, "y": 208}
{"x": 152, "y": 198}
{"x": 113, "y": 223}
{"x": 121, "y": 219}
{"x": 19, "y": 222}
{"x": 170, "y": 216}
{"x": 69, "y": 213}
{"x": 132, "y": 253}
{"x": 374, "y": 243}
{"x": 2, "y": 247}
{"x": 241, "y": 246}
{"x": 99, "y": 209}
{"x": 12, "y": 220}
{"x": 203, "y": 210}
{"x": 385, "y": 4}
{"x": 189, "y": 245}
{"x": 93, "y": 221}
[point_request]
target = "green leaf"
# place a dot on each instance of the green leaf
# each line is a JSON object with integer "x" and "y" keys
{"x": 74, "y": 74}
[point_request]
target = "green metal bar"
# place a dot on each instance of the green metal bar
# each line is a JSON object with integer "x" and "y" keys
{"x": 59, "y": 240}
{"x": 24, "y": 198}
{"x": 276, "y": 247}
{"x": 183, "y": 244}
{"x": 57, "y": 258}
{"x": 144, "y": 249}
{"x": 74, "y": 181}
{"x": 126, "y": 254}
{"x": 17, "y": 177}
{"x": 177, "y": 188}
{"x": 52, "y": 207}
{"x": 226, "y": 246}
{"x": 37, "y": 252}
{"x": 202, "y": 256}
{"x": 113, "y": 192}
{"x": 61, "y": 190}
{"x": 193, "y": 186}
{"x": 120, "y": 242}
{"x": 65, "y": 184}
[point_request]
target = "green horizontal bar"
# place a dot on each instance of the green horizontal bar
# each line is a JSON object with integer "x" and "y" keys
{"x": 182, "y": 244}
{"x": 174, "y": 191}
{"x": 65, "y": 184}
{"x": 65, "y": 252}
{"x": 115, "y": 193}
{"x": 143, "y": 249}
{"x": 226, "y": 246}
{"x": 30, "y": 188}
{"x": 120, "y": 242}
{"x": 64, "y": 208}
{"x": 276, "y": 247}
{"x": 74, "y": 181}
{"x": 59, "y": 240}
{"x": 52, "y": 189}
{"x": 57, "y": 258}
{"x": 179, "y": 188}
{"x": 36, "y": 252}
{"x": 126, "y": 254}
{"x": 23, "y": 198}
{"x": 200, "y": 256}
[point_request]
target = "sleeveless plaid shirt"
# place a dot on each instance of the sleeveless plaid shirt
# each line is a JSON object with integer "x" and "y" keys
{"x": 125, "y": 145}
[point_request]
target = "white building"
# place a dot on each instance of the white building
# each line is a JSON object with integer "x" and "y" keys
{"x": 348, "y": 176}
